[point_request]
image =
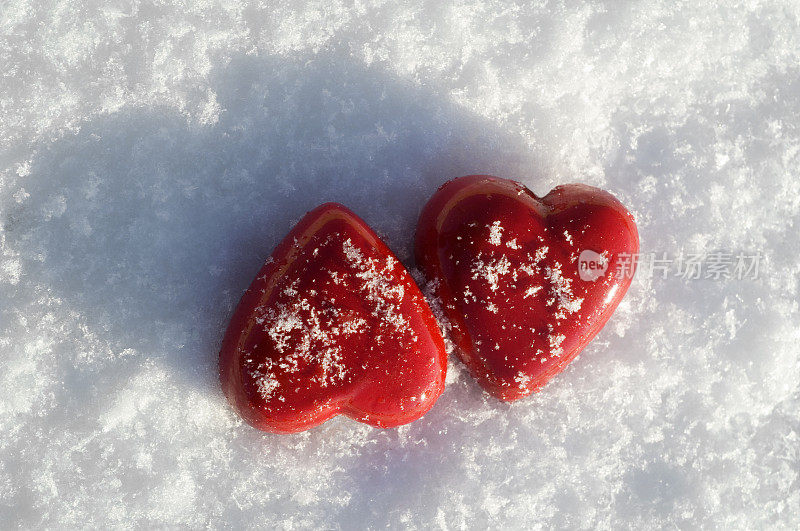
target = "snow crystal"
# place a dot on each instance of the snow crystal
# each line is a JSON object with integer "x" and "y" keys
{"x": 376, "y": 279}
{"x": 266, "y": 385}
{"x": 555, "y": 341}
{"x": 531, "y": 267}
{"x": 491, "y": 271}
{"x": 496, "y": 233}
{"x": 532, "y": 291}
{"x": 152, "y": 156}
{"x": 298, "y": 331}
{"x": 561, "y": 292}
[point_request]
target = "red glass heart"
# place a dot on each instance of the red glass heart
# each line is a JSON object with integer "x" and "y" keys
{"x": 332, "y": 324}
{"x": 526, "y": 282}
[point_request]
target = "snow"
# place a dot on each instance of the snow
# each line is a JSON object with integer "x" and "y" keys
{"x": 151, "y": 156}
{"x": 496, "y": 233}
{"x": 561, "y": 292}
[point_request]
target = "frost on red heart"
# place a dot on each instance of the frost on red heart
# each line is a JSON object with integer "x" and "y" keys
{"x": 505, "y": 265}
{"x": 333, "y": 323}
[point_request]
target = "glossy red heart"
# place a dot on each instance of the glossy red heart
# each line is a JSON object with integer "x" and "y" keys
{"x": 505, "y": 264}
{"x": 332, "y": 324}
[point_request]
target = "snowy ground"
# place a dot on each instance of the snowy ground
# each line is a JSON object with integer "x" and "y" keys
{"x": 152, "y": 154}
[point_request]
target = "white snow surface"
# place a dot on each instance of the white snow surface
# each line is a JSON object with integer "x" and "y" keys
{"x": 153, "y": 153}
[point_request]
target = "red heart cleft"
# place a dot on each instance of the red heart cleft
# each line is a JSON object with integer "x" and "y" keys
{"x": 332, "y": 324}
{"x": 525, "y": 282}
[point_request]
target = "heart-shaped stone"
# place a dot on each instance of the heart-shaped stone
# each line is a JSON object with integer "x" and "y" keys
{"x": 332, "y": 324}
{"x": 526, "y": 282}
